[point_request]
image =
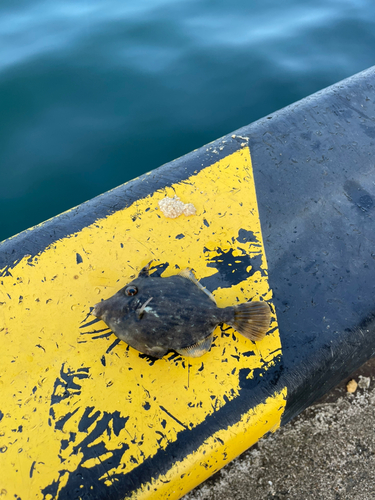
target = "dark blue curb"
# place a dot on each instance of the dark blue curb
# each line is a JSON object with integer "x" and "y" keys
{"x": 314, "y": 167}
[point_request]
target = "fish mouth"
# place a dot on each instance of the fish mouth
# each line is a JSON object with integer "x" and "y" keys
{"x": 95, "y": 311}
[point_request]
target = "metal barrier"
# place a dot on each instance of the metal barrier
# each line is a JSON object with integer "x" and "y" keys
{"x": 83, "y": 415}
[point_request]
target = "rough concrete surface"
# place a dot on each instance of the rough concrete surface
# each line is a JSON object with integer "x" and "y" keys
{"x": 327, "y": 452}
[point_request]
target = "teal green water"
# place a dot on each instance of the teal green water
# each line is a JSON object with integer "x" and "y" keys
{"x": 96, "y": 92}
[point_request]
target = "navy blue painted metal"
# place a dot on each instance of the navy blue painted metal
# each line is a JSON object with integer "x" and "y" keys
{"x": 314, "y": 167}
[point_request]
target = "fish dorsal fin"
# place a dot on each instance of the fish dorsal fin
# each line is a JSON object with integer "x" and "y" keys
{"x": 145, "y": 271}
{"x": 188, "y": 274}
{"x": 198, "y": 349}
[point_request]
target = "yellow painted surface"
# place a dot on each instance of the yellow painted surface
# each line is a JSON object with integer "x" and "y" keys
{"x": 77, "y": 408}
{"x": 213, "y": 455}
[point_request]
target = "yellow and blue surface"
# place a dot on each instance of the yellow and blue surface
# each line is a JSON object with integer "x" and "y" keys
{"x": 83, "y": 415}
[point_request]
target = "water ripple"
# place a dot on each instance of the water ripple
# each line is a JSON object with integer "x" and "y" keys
{"x": 84, "y": 82}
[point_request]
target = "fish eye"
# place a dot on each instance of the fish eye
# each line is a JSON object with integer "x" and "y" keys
{"x": 131, "y": 290}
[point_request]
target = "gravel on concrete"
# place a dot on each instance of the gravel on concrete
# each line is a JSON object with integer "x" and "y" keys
{"x": 327, "y": 453}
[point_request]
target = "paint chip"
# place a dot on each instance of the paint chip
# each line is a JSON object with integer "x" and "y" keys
{"x": 174, "y": 207}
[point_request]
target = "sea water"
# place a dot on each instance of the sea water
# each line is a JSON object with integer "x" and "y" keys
{"x": 96, "y": 92}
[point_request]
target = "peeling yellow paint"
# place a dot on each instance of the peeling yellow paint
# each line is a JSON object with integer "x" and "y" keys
{"x": 72, "y": 400}
{"x": 213, "y": 455}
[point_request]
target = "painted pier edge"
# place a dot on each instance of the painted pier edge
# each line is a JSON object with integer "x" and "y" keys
{"x": 84, "y": 416}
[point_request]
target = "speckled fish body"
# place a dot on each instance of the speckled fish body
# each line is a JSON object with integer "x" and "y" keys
{"x": 155, "y": 315}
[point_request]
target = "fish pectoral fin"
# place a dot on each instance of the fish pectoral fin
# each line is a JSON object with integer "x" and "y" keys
{"x": 140, "y": 311}
{"x": 198, "y": 349}
{"x": 188, "y": 274}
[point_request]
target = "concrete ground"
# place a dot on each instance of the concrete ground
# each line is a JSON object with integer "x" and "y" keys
{"x": 326, "y": 453}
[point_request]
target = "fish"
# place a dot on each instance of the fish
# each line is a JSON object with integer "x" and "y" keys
{"x": 155, "y": 315}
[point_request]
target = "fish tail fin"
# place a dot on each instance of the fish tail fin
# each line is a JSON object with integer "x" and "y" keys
{"x": 252, "y": 319}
